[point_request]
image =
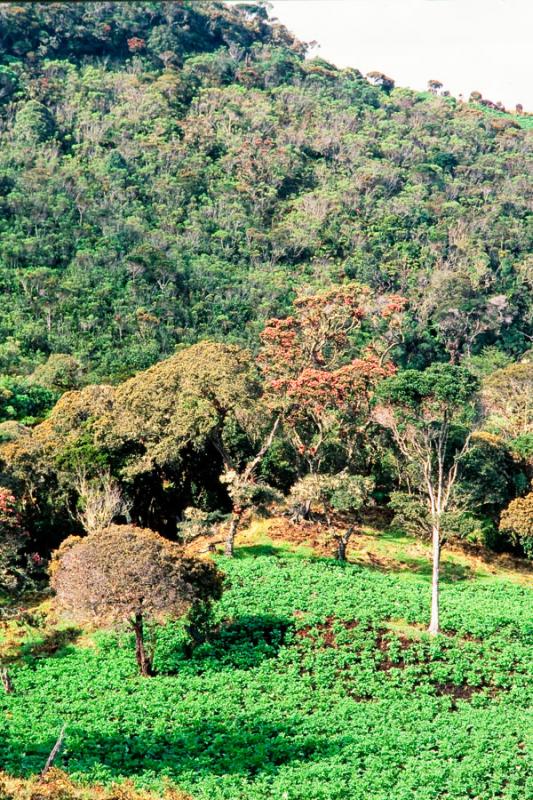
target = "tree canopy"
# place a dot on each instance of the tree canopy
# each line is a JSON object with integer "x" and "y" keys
{"x": 127, "y": 574}
{"x": 174, "y": 171}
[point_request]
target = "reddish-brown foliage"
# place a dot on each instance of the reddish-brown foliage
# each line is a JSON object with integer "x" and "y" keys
{"x": 135, "y": 44}
{"x": 319, "y": 374}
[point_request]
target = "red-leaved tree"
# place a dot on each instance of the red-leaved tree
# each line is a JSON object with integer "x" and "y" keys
{"x": 322, "y": 363}
{"x": 13, "y": 571}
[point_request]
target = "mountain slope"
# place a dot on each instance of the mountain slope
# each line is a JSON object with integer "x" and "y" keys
{"x": 173, "y": 171}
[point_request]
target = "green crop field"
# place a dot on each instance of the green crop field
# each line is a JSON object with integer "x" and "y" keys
{"x": 321, "y": 683}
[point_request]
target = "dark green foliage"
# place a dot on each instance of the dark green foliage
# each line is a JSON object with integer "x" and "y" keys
{"x": 410, "y": 514}
{"x": 175, "y": 170}
{"x": 440, "y": 386}
{"x": 413, "y": 516}
{"x": 60, "y": 372}
{"x": 78, "y": 30}
{"x": 23, "y": 401}
{"x": 314, "y": 698}
{"x": 523, "y": 446}
{"x": 33, "y": 123}
{"x": 491, "y": 476}
{"x": 8, "y": 83}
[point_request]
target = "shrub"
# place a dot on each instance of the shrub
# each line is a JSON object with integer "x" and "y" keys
{"x": 517, "y": 520}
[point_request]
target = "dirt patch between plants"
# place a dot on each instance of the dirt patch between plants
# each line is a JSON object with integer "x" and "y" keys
{"x": 306, "y": 534}
{"x": 462, "y": 691}
{"x": 325, "y": 630}
{"x": 323, "y": 634}
{"x": 383, "y": 645}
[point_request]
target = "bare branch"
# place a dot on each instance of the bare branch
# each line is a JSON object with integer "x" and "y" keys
{"x": 254, "y": 463}
{"x": 53, "y": 753}
{"x": 101, "y": 501}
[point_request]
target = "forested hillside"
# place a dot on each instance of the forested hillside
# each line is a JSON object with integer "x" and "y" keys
{"x": 179, "y": 172}
{"x": 266, "y": 419}
{"x": 171, "y": 171}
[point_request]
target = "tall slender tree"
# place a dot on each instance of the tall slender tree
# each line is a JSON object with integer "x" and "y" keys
{"x": 430, "y": 414}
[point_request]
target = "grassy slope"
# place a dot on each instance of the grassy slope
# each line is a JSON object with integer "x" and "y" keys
{"x": 324, "y": 686}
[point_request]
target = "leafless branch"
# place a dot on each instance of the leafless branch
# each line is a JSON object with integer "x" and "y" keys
{"x": 53, "y": 753}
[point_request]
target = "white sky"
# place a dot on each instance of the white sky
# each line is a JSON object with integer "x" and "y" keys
{"x": 486, "y": 45}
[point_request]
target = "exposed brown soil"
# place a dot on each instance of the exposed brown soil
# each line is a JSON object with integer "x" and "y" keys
{"x": 461, "y": 691}
{"x": 324, "y": 630}
{"x": 350, "y": 624}
{"x": 383, "y": 645}
{"x": 308, "y": 534}
{"x": 57, "y": 785}
{"x": 203, "y": 546}
{"x": 320, "y": 538}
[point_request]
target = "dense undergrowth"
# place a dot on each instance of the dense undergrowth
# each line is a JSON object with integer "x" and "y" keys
{"x": 319, "y": 683}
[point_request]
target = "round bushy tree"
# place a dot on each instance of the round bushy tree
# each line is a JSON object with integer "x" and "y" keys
{"x": 342, "y": 495}
{"x": 129, "y": 574}
{"x": 517, "y": 520}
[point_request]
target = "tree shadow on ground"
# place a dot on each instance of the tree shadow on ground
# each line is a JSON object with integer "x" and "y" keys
{"x": 241, "y": 745}
{"x": 450, "y": 572}
{"x": 256, "y": 550}
{"x": 248, "y": 640}
{"x": 56, "y": 643}
{"x": 286, "y": 551}
{"x": 241, "y": 643}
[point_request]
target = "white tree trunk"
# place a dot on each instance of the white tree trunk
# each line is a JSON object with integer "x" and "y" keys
{"x": 229, "y": 546}
{"x": 434, "y": 623}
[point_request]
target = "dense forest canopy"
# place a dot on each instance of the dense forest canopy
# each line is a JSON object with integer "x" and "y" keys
{"x": 174, "y": 171}
{"x": 214, "y": 249}
{"x": 178, "y": 172}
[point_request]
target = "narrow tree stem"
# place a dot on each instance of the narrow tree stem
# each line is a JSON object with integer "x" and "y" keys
{"x": 229, "y": 547}
{"x": 342, "y": 543}
{"x": 143, "y": 662}
{"x": 341, "y": 549}
{"x": 434, "y": 623}
{"x": 6, "y": 681}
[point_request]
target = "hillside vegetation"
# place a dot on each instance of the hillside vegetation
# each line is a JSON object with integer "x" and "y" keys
{"x": 266, "y": 419}
{"x": 170, "y": 171}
